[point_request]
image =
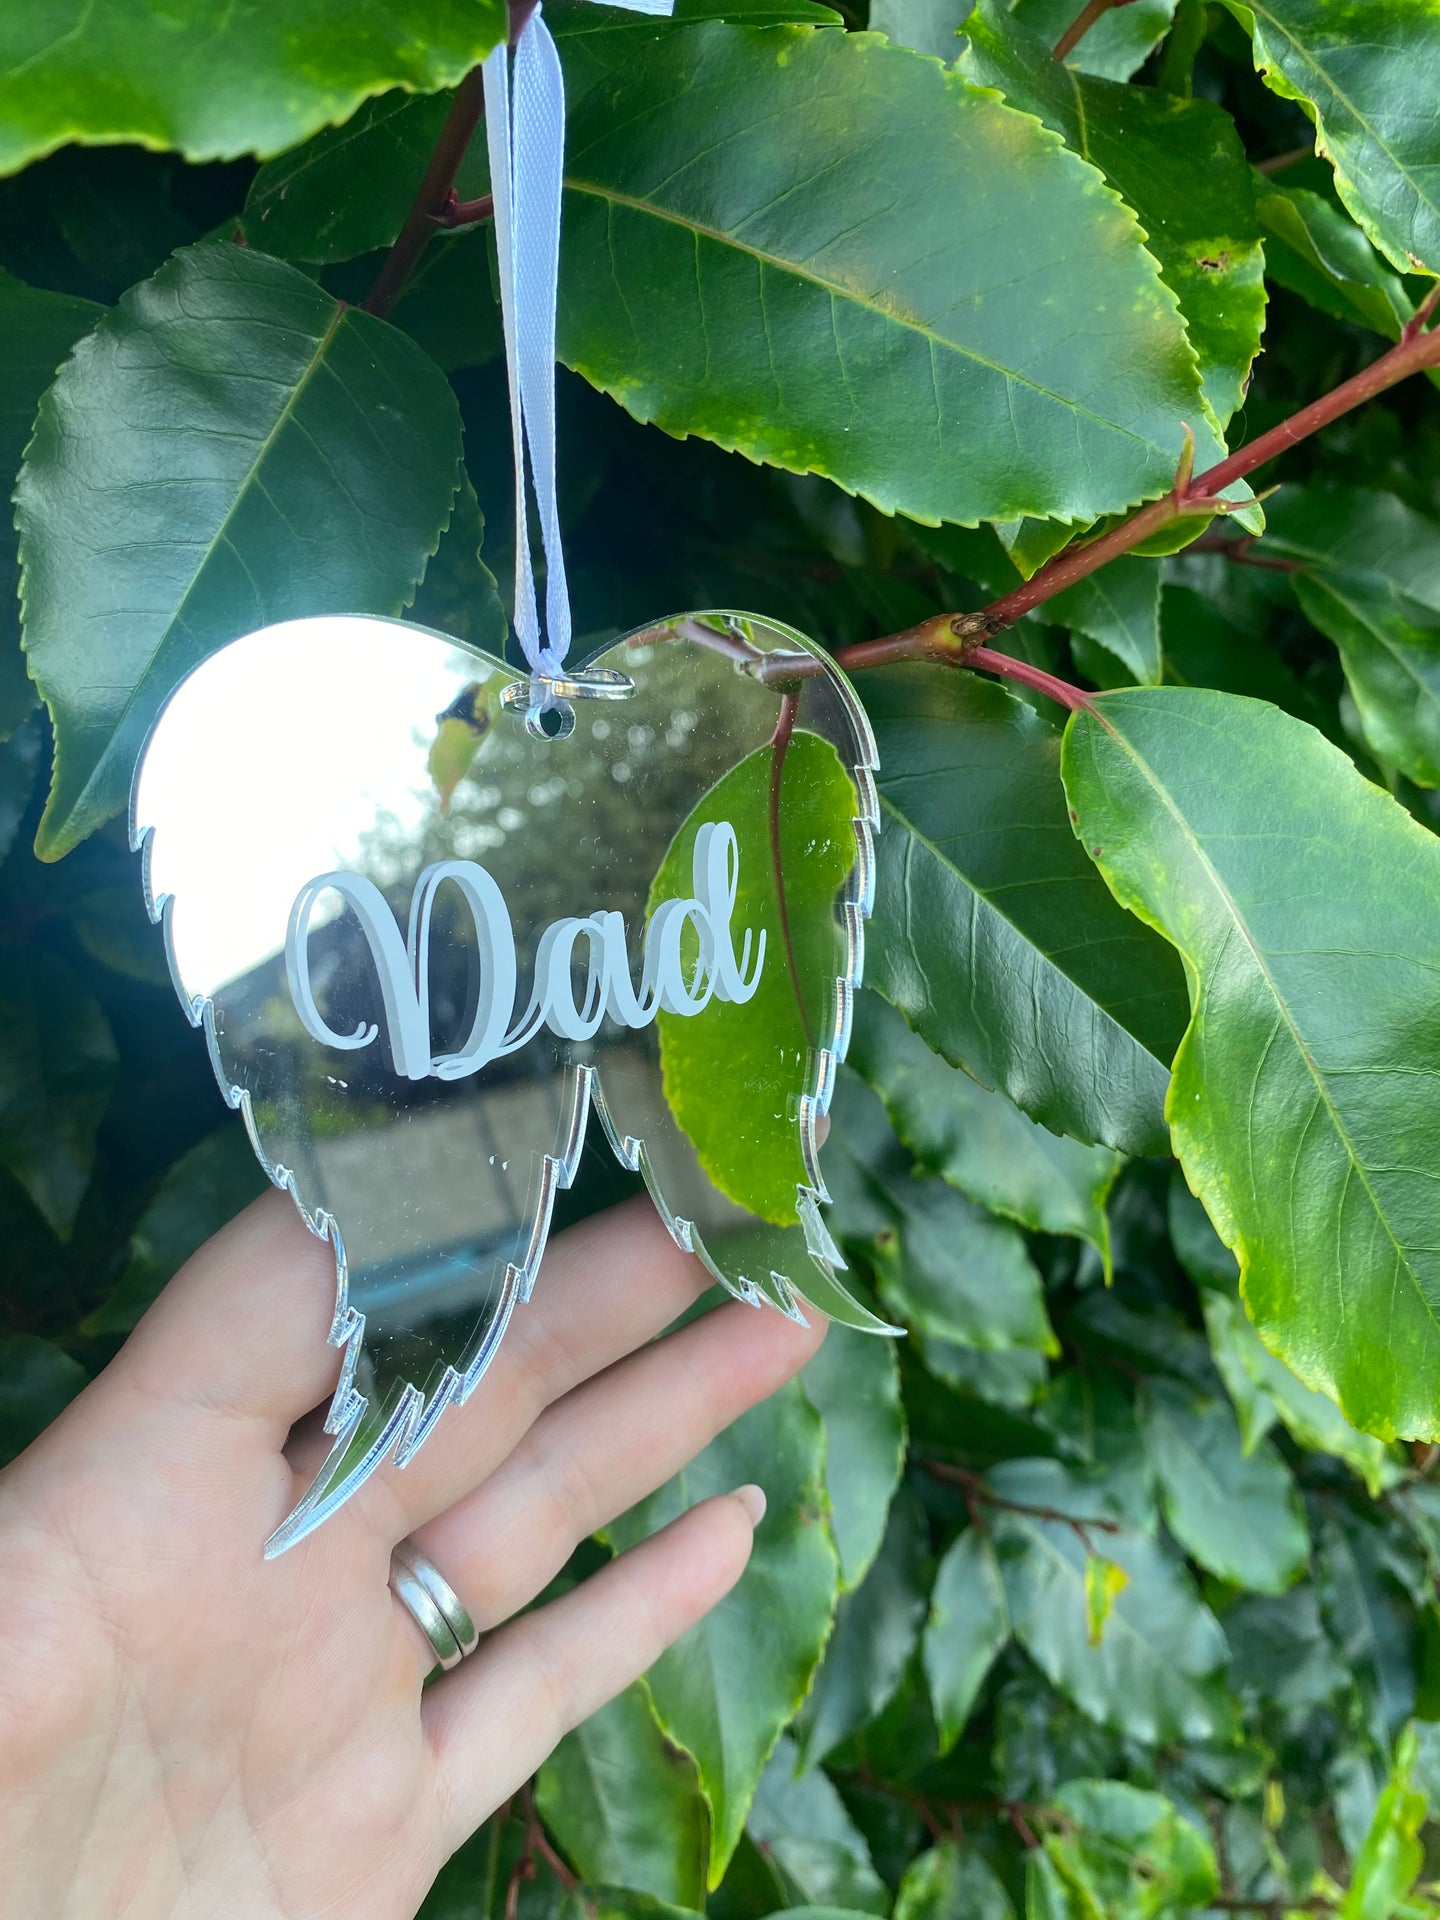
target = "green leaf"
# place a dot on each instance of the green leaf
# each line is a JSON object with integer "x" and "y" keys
{"x": 113, "y": 928}
{"x": 854, "y": 1386}
{"x": 1029, "y": 544}
{"x": 953, "y": 1273}
{"x": 1228, "y": 1325}
{"x": 731, "y": 1079}
{"x": 1161, "y": 1644}
{"x": 948, "y": 1883}
{"x": 876, "y": 1628}
{"x": 1014, "y": 1380}
{"x": 1116, "y": 46}
{"x": 57, "y": 1068}
{"x": 1128, "y": 1854}
{"x": 625, "y": 1806}
{"x": 1315, "y": 251}
{"x": 606, "y": 1903}
{"x": 1280, "y": 1652}
{"x": 725, "y": 1691}
{"x": 347, "y": 191}
{"x": 925, "y": 26}
{"x": 979, "y": 1140}
{"x": 1265, "y": 1390}
{"x": 1370, "y": 1617}
{"x": 1046, "y": 1897}
{"x": 861, "y": 1157}
{"x": 1090, "y": 1410}
{"x": 38, "y": 1380}
{"x": 1390, "y": 647}
{"x": 449, "y": 305}
{"x": 229, "y": 448}
{"x": 1119, "y": 609}
{"x": 129, "y": 72}
{"x": 1357, "y": 532}
{"x": 1237, "y": 1512}
{"x": 201, "y": 1193}
{"x": 1369, "y": 94}
{"x": 1042, "y": 1739}
{"x": 991, "y": 932}
{"x": 1260, "y": 1385}
{"x": 1367, "y": 574}
{"x": 458, "y": 594}
{"x": 842, "y": 300}
{"x": 818, "y": 1854}
{"x": 1179, "y": 164}
{"x": 1306, "y": 1068}
{"x": 969, "y": 1624}
{"x": 1389, "y": 1862}
{"x": 1205, "y": 649}
{"x": 1175, "y": 69}
{"x": 38, "y": 329}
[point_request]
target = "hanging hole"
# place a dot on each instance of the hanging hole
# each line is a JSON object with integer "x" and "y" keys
{"x": 555, "y": 722}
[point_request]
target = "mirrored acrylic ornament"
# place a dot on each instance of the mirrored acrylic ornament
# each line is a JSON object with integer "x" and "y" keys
{"x": 432, "y": 917}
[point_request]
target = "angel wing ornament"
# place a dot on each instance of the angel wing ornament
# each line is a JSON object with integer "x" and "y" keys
{"x": 427, "y": 934}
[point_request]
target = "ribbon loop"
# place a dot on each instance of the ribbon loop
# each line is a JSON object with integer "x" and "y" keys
{"x": 525, "y": 131}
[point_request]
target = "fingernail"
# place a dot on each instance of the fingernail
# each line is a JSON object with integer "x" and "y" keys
{"x": 752, "y": 1498}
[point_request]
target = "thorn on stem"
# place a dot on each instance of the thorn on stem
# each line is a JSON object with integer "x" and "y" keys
{"x": 1421, "y": 316}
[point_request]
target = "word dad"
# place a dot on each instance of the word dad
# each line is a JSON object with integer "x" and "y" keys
{"x": 402, "y": 968}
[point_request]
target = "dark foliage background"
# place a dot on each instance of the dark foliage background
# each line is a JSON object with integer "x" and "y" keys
{"x": 1077, "y": 1603}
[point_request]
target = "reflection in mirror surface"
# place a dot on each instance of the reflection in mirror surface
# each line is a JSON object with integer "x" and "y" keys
{"x": 467, "y": 909}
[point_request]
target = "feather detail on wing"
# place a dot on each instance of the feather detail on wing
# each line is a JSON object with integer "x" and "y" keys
{"x": 395, "y": 1082}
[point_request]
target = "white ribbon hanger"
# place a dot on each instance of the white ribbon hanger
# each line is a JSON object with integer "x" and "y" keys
{"x": 525, "y": 129}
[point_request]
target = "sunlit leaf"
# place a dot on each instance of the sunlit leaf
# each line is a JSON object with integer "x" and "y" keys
{"x": 1309, "y": 1068}
{"x": 230, "y": 447}
{"x": 130, "y": 72}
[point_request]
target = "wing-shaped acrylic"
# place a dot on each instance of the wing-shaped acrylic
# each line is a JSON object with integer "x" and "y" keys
{"x": 422, "y": 939}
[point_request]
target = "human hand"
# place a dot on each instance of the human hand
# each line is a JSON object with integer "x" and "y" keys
{"x": 187, "y": 1729}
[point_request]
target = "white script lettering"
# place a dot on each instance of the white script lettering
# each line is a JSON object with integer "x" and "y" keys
{"x": 402, "y": 966}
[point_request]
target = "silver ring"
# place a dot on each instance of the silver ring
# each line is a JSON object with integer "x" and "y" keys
{"x": 433, "y": 1604}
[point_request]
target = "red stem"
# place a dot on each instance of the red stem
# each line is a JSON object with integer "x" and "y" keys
{"x": 1092, "y": 11}
{"x": 1027, "y": 676}
{"x": 959, "y": 639}
{"x": 467, "y": 213}
{"x": 1278, "y": 162}
{"x": 780, "y": 741}
{"x": 520, "y": 12}
{"x": 1414, "y": 351}
{"x": 434, "y": 196}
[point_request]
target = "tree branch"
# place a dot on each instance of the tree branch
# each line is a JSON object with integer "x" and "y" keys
{"x": 1092, "y": 11}
{"x": 436, "y": 203}
{"x": 961, "y": 639}
{"x": 1278, "y": 162}
{"x": 434, "y": 199}
{"x": 975, "y": 1486}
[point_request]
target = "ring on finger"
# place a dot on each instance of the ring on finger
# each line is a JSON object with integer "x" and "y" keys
{"x": 432, "y": 1604}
